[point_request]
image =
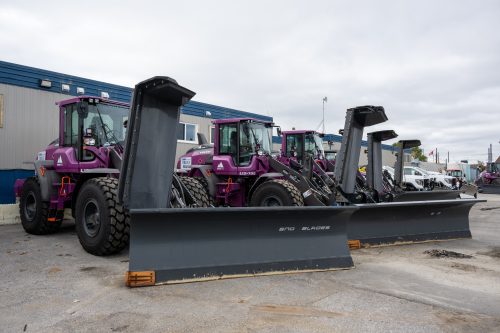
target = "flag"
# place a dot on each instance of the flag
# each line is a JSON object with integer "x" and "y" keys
{"x": 431, "y": 153}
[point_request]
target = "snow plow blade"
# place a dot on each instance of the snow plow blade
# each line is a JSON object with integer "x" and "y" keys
{"x": 174, "y": 245}
{"x": 412, "y": 221}
{"x": 201, "y": 244}
{"x": 427, "y": 195}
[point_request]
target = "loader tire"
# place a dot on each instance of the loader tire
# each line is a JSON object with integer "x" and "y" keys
{"x": 197, "y": 190}
{"x": 33, "y": 211}
{"x": 276, "y": 192}
{"x": 102, "y": 224}
{"x": 204, "y": 183}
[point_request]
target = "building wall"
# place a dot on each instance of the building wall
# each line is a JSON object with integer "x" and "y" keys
{"x": 31, "y": 122}
{"x": 202, "y": 126}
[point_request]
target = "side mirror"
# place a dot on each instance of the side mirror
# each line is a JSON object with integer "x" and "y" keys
{"x": 278, "y": 131}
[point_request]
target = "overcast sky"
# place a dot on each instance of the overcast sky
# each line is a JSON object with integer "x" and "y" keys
{"x": 433, "y": 65}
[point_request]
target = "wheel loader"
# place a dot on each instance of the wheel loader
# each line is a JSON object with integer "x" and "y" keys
{"x": 80, "y": 170}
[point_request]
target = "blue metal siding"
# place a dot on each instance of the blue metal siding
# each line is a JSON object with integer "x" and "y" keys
{"x": 29, "y": 77}
{"x": 7, "y": 180}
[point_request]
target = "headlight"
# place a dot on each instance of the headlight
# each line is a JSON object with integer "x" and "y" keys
{"x": 420, "y": 181}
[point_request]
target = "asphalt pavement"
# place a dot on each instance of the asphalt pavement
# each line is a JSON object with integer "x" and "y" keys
{"x": 50, "y": 284}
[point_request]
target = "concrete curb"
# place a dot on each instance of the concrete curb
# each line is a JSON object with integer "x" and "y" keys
{"x": 9, "y": 214}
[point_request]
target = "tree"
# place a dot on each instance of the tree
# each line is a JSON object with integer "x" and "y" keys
{"x": 481, "y": 166}
{"x": 418, "y": 154}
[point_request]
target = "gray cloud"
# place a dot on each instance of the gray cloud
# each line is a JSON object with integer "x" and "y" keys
{"x": 432, "y": 65}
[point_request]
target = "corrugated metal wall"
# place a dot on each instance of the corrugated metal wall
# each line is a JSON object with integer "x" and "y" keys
{"x": 31, "y": 121}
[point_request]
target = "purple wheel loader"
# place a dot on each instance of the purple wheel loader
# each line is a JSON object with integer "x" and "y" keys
{"x": 240, "y": 169}
{"x": 489, "y": 179}
{"x": 80, "y": 171}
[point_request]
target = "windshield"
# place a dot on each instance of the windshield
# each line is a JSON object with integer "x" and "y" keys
{"x": 255, "y": 135}
{"x": 104, "y": 121}
{"x": 422, "y": 171}
{"x": 314, "y": 145}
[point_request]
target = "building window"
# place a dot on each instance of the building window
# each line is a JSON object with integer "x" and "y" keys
{"x": 212, "y": 132}
{"x": 186, "y": 132}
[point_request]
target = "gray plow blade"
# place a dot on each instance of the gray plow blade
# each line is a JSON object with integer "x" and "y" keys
{"x": 414, "y": 221}
{"x": 198, "y": 244}
{"x": 489, "y": 189}
{"x": 426, "y": 196}
{"x": 170, "y": 245}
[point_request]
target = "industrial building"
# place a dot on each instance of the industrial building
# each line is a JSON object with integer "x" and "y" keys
{"x": 29, "y": 118}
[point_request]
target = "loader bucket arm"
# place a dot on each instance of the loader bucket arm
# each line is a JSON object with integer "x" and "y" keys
{"x": 374, "y": 177}
{"x": 398, "y": 168}
{"x": 346, "y": 163}
{"x": 173, "y": 245}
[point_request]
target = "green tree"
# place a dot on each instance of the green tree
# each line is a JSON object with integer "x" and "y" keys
{"x": 418, "y": 154}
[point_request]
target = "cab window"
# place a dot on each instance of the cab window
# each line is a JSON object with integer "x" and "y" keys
{"x": 294, "y": 144}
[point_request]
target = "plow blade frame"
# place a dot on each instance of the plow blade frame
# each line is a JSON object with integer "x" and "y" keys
{"x": 398, "y": 167}
{"x": 149, "y": 158}
{"x": 374, "y": 178}
{"x": 413, "y": 221}
{"x": 198, "y": 244}
{"x": 347, "y": 159}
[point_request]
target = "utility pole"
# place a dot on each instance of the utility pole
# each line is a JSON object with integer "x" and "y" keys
{"x": 325, "y": 99}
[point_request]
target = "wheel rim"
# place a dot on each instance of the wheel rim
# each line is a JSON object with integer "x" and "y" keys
{"x": 271, "y": 201}
{"x": 91, "y": 218}
{"x": 30, "y": 206}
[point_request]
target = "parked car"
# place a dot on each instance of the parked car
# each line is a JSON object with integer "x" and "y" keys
{"x": 414, "y": 179}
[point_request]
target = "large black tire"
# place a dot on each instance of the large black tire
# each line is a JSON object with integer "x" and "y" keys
{"x": 204, "y": 183}
{"x": 276, "y": 192}
{"x": 197, "y": 190}
{"x": 34, "y": 211}
{"x": 102, "y": 224}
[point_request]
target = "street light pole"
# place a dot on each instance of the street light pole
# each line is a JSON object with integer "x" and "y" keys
{"x": 325, "y": 99}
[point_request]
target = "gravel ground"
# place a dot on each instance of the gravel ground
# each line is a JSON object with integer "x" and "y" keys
{"x": 49, "y": 284}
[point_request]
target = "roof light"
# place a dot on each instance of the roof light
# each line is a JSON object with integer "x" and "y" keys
{"x": 45, "y": 83}
{"x": 104, "y": 94}
{"x": 80, "y": 90}
{"x": 208, "y": 113}
{"x": 65, "y": 87}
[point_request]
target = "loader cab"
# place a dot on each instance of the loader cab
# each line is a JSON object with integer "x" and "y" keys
{"x": 299, "y": 144}
{"x": 88, "y": 123}
{"x": 238, "y": 142}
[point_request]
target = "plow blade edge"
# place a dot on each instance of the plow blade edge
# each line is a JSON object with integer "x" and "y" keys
{"x": 186, "y": 245}
{"x": 413, "y": 221}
